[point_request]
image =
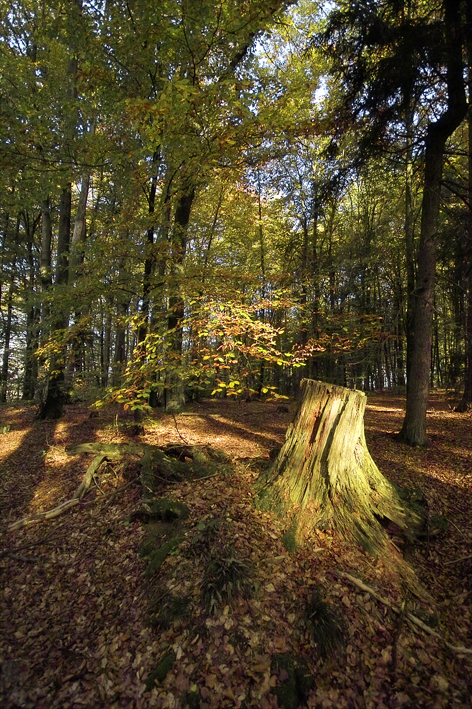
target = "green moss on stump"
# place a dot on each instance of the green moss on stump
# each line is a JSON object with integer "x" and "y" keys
{"x": 158, "y": 556}
{"x": 289, "y": 539}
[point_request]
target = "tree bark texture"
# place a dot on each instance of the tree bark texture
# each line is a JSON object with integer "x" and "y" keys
{"x": 324, "y": 476}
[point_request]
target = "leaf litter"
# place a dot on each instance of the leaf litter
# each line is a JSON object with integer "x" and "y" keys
{"x": 83, "y": 626}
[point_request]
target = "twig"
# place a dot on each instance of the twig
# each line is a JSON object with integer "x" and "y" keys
{"x": 456, "y": 561}
{"x": 459, "y": 530}
{"x": 412, "y": 619}
{"x": 177, "y": 429}
{"x": 17, "y": 557}
{"x": 111, "y": 495}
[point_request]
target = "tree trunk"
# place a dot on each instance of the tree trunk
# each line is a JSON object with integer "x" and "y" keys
{"x": 53, "y": 405}
{"x": 421, "y": 329}
{"x": 174, "y": 391}
{"x": 467, "y": 395}
{"x": 324, "y": 475}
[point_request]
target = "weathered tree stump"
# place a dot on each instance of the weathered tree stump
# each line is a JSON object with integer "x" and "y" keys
{"x": 324, "y": 476}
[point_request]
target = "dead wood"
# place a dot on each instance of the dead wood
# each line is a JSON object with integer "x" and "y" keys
{"x": 42, "y": 516}
{"x": 156, "y": 468}
{"x": 324, "y": 476}
{"x": 64, "y": 506}
{"x": 88, "y": 477}
{"x": 412, "y": 619}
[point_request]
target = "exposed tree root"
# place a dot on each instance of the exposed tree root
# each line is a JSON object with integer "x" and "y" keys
{"x": 64, "y": 506}
{"x": 411, "y": 619}
{"x": 156, "y": 468}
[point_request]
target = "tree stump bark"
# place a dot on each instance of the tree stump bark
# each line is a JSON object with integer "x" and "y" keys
{"x": 324, "y": 476}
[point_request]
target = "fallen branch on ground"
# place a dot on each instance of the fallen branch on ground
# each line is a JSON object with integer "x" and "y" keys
{"x": 49, "y": 514}
{"x": 17, "y": 557}
{"x": 412, "y": 619}
{"x": 64, "y": 506}
{"x": 456, "y": 561}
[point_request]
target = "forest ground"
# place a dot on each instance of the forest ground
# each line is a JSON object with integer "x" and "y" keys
{"x": 75, "y": 598}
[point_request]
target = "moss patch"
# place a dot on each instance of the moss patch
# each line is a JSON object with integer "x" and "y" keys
{"x": 289, "y": 539}
{"x": 295, "y": 680}
{"x": 159, "y": 555}
{"x": 162, "y": 670}
{"x": 168, "y": 510}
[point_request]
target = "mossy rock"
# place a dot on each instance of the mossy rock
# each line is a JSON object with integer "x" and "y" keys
{"x": 159, "y": 555}
{"x": 296, "y": 680}
{"x": 168, "y": 510}
{"x": 162, "y": 670}
{"x": 164, "y": 510}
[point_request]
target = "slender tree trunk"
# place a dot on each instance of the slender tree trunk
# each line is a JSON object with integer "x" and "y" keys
{"x": 7, "y": 322}
{"x": 410, "y": 246}
{"x": 324, "y": 476}
{"x": 120, "y": 343}
{"x": 79, "y": 233}
{"x": 52, "y": 407}
{"x": 30, "y": 374}
{"x": 175, "y": 392}
{"x": 149, "y": 268}
{"x": 467, "y": 395}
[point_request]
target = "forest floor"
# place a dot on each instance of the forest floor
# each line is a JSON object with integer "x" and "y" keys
{"x": 76, "y": 623}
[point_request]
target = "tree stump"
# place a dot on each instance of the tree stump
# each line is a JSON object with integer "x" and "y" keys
{"x": 324, "y": 476}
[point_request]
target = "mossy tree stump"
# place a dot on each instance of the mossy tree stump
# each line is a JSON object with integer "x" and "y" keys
{"x": 324, "y": 476}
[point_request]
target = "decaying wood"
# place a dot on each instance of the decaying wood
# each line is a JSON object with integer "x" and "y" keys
{"x": 88, "y": 477}
{"x": 110, "y": 450}
{"x": 409, "y": 616}
{"x": 324, "y": 475}
{"x": 64, "y": 506}
{"x": 156, "y": 467}
{"x": 42, "y": 516}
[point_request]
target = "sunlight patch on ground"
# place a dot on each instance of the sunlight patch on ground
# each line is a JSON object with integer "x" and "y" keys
{"x": 384, "y": 409}
{"x": 10, "y": 444}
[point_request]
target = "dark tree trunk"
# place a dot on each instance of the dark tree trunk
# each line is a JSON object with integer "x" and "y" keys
{"x": 420, "y": 332}
{"x": 174, "y": 391}
{"x": 52, "y": 407}
{"x": 324, "y": 475}
{"x": 466, "y": 400}
{"x": 6, "y": 339}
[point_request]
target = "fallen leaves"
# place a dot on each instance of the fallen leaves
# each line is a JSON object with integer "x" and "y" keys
{"x": 74, "y": 622}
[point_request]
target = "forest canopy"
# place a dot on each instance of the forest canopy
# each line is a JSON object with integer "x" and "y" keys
{"x": 203, "y": 198}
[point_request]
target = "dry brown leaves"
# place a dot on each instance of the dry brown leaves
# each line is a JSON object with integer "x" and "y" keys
{"x": 74, "y": 605}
